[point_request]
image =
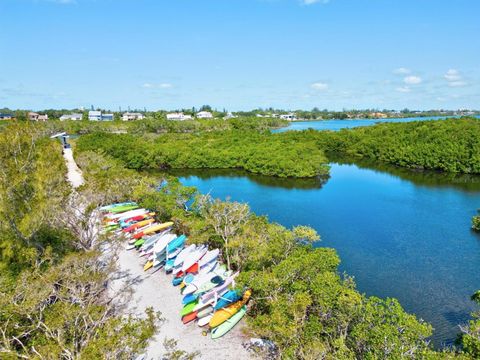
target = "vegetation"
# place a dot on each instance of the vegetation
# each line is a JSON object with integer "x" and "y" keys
{"x": 260, "y": 153}
{"x": 476, "y": 223}
{"x": 449, "y": 145}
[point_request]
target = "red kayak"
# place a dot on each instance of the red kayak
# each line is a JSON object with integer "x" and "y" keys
{"x": 192, "y": 269}
{"x": 189, "y": 317}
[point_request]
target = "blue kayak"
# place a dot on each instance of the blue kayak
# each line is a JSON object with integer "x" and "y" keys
{"x": 228, "y": 298}
{"x": 189, "y": 298}
{"x": 176, "y": 243}
{"x": 177, "y": 281}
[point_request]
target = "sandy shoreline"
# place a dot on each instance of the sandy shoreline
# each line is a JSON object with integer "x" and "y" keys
{"x": 156, "y": 290}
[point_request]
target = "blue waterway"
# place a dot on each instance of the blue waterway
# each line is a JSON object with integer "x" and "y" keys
{"x": 400, "y": 234}
{"x": 336, "y": 124}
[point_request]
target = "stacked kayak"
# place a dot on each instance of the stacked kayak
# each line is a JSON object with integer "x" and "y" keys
{"x": 209, "y": 297}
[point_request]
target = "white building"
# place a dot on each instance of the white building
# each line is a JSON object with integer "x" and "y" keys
{"x": 204, "y": 115}
{"x": 98, "y": 116}
{"x": 289, "y": 117}
{"x": 95, "y": 115}
{"x": 71, "y": 117}
{"x": 229, "y": 116}
{"x": 128, "y": 116}
{"x": 178, "y": 116}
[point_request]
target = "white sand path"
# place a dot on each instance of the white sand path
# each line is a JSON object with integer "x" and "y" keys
{"x": 74, "y": 174}
{"x": 156, "y": 290}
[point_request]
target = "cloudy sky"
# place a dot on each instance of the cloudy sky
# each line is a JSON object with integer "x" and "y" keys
{"x": 240, "y": 54}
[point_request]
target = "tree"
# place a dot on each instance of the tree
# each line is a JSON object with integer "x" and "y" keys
{"x": 226, "y": 218}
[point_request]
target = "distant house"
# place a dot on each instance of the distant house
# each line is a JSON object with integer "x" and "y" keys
{"x": 95, "y": 115}
{"x": 6, "y": 116}
{"x": 33, "y": 116}
{"x": 289, "y": 117}
{"x": 128, "y": 116}
{"x": 178, "y": 116}
{"x": 98, "y": 116}
{"x": 107, "y": 117}
{"x": 71, "y": 117}
{"x": 204, "y": 115}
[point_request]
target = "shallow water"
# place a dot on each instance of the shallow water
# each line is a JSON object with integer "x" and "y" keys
{"x": 400, "y": 233}
{"x": 337, "y": 124}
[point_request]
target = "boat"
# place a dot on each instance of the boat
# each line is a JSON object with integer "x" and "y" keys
{"x": 126, "y": 215}
{"x": 121, "y": 209}
{"x": 112, "y": 206}
{"x": 210, "y": 256}
{"x": 228, "y": 298}
{"x": 204, "y": 321}
{"x": 193, "y": 258}
{"x": 203, "y": 278}
{"x": 188, "y": 308}
{"x": 153, "y": 229}
{"x": 138, "y": 225}
{"x": 189, "y": 317}
{"x": 218, "y": 290}
{"x": 228, "y": 324}
{"x": 204, "y": 312}
{"x": 226, "y": 313}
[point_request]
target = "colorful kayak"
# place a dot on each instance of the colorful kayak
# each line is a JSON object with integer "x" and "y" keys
{"x": 175, "y": 244}
{"x": 121, "y": 209}
{"x": 188, "y": 308}
{"x": 177, "y": 281}
{"x": 193, "y": 258}
{"x": 204, "y": 321}
{"x": 189, "y": 298}
{"x": 189, "y": 317}
{"x": 204, "y": 312}
{"x": 148, "y": 265}
{"x": 112, "y": 206}
{"x": 226, "y": 313}
{"x": 138, "y": 225}
{"x": 228, "y": 324}
{"x": 218, "y": 290}
{"x": 228, "y": 298}
{"x": 153, "y": 229}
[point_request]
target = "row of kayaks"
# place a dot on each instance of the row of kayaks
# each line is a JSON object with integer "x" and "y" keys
{"x": 207, "y": 286}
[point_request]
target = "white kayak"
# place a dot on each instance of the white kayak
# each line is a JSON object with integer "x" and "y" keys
{"x": 205, "y": 278}
{"x": 183, "y": 254}
{"x": 208, "y": 257}
{"x": 161, "y": 244}
{"x": 204, "y": 320}
{"x": 127, "y": 215}
{"x": 219, "y": 289}
{"x": 193, "y": 258}
{"x": 150, "y": 241}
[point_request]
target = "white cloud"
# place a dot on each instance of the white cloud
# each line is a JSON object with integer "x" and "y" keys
{"x": 310, "y": 2}
{"x": 452, "y": 75}
{"x": 157, "y": 86}
{"x": 402, "y": 71}
{"x": 412, "y": 80}
{"x": 403, "y": 89}
{"x": 454, "y": 78}
{"x": 319, "y": 86}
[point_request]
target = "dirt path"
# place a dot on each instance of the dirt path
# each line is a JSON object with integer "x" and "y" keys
{"x": 74, "y": 174}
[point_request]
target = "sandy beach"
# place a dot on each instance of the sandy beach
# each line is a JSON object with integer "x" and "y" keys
{"x": 156, "y": 290}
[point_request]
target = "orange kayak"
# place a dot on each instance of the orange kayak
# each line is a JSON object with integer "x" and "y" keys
{"x": 226, "y": 313}
{"x": 189, "y": 317}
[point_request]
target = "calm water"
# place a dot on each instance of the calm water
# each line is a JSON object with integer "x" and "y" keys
{"x": 336, "y": 125}
{"x": 401, "y": 234}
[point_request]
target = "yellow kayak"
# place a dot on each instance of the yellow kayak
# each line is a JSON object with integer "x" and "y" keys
{"x": 155, "y": 228}
{"x": 226, "y": 313}
{"x": 148, "y": 265}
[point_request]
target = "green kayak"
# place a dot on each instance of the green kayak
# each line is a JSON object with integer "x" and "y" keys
{"x": 226, "y": 326}
{"x": 120, "y": 209}
{"x": 187, "y": 309}
{"x": 139, "y": 243}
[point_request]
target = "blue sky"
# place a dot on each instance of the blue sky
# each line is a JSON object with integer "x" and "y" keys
{"x": 240, "y": 54}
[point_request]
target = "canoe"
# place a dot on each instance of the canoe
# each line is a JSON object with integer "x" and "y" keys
{"x": 138, "y": 224}
{"x": 164, "y": 246}
{"x": 210, "y": 302}
{"x": 193, "y": 258}
{"x": 228, "y": 298}
{"x": 173, "y": 255}
{"x": 226, "y": 313}
{"x": 121, "y": 209}
{"x": 177, "y": 281}
{"x": 111, "y": 206}
{"x": 169, "y": 265}
{"x": 209, "y": 285}
{"x": 219, "y": 289}
{"x": 188, "y": 298}
{"x": 175, "y": 244}
{"x": 153, "y": 229}
{"x": 204, "y": 312}
{"x": 135, "y": 219}
{"x": 159, "y": 242}
{"x": 125, "y": 215}
{"x": 210, "y": 256}
{"x": 228, "y": 324}
{"x": 200, "y": 279}
{"x": 183, "y": 254}
{"x": 192, "y": 269}
{"x": 204, "y": 321}
{"x": 189, "y": 317}
{"x": 188, "y": 308}
{"x": 147, "y": 265}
